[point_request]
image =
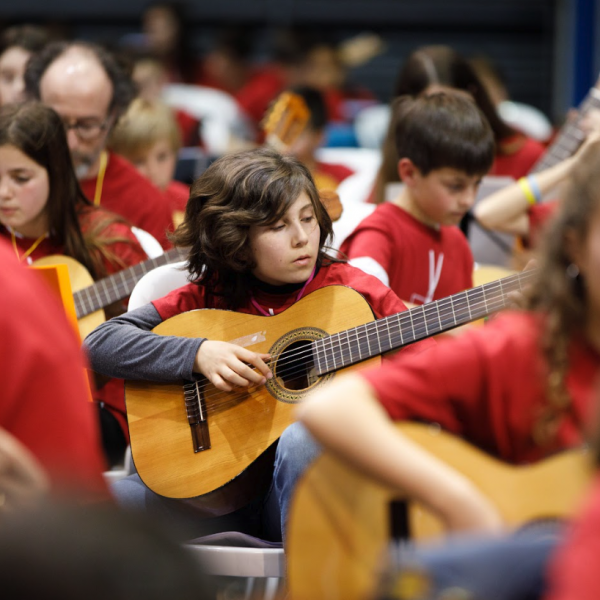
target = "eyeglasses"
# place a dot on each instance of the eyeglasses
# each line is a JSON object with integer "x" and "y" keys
{"x": 87, "y": 129}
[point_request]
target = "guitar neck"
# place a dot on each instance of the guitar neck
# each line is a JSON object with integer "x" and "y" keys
{"x": 119, "y": 285}
{"x": 349, "y": 347}
{"x": 571, "y": 136}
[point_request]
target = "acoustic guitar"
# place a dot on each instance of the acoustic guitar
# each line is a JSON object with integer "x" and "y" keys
{"x": 190, "y": 440}
{"x": 571, "y": 135}
{"x": 283, "y": 123}
{"x": 92, "y": 297}
{"x": 340, "y": 520}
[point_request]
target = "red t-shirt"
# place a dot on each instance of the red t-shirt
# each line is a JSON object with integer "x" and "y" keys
{"x": 127, "y": 253}
{"x": 488, "y": 386}
{"x": 177, "y": 194}
{"x": 131, "y": 195}
{"x": 329, "y": 176}
{"x": 422, "y": 263}
{"x": 516, "y": 156}
{"x": 539, "y": 215}
{"x": 263, "y": 86}
{"x": 381, "y": 299}
{"x": 44, "y": 390}
{"x": 189, "y": 127}
{"x": 573, "y": 571}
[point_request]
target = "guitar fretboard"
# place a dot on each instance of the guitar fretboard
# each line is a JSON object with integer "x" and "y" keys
{"x": 377, "y": 337}
{"x": 571, "y": 136}
{"x": 119, "y": 285}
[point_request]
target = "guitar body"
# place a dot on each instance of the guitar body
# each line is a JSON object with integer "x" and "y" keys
{"x": 80, "y": 279}
{"x": 339, "y": 524}
{"x": 241, "y": 425}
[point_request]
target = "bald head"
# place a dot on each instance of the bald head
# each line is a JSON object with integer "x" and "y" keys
{"x": 76, "y": 79}
{"x": 71, "y": 60}
{"x": 88, "y": 88}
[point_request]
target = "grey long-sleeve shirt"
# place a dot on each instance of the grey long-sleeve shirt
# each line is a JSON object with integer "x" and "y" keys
{"x": 125, "y": 347}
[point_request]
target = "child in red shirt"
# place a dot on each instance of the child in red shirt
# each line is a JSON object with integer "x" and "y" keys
{"x": 520, "y": 388}
{"x": 43, "y": 212}
{"x": 149, "y": 138}
{"x": 412, "y": 244}
{"x": 256, "y": 230}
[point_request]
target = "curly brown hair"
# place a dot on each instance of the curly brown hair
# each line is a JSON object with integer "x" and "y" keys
{"x": 559, "y": 296}
{"x": 241, "y": 189}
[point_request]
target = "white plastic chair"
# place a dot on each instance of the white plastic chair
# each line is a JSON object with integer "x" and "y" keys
{"x": 219, "y": 114}
{"x": 158, "y": 283}
{"x": 148, "y": 242}
{"x": 371, "y": 125}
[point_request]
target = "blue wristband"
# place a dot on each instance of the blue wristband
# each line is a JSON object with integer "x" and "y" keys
{"x": 535, "y": 188}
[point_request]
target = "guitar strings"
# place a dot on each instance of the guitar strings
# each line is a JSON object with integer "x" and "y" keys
{"x": 284, "y": 357}
{"x": 98, "y": 292}
{"x": 288, "y": 357}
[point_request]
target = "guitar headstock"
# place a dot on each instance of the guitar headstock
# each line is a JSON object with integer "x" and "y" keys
{"x": 285, "y": 120}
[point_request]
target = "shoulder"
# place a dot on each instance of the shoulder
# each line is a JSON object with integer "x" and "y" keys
{"x": 385, "y": 217}
{"x": 511, "y": 333}
{"x": 183, "y": 299}
{"x": 121, "y": 172}
{"x": 381, "y": 298}
{"x": 106, "y": 222}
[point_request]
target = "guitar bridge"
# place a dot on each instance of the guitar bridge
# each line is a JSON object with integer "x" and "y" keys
{"x": 195, "y": 408}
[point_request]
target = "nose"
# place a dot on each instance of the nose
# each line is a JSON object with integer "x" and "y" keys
{"x": 5, "y": 188}
{"x": 468, "y": 198}
{"x": 300, "y": 236}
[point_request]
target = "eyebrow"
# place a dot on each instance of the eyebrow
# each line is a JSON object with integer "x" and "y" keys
{"x": 21, "y": 170}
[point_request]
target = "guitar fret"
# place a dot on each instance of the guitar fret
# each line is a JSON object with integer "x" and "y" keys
{"x": 570, "y": 136}
{"x": 378, "y": 337}
{"x": 118, "y": 285}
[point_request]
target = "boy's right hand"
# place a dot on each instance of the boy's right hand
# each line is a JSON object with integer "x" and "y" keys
{"x": 227, "y": 365}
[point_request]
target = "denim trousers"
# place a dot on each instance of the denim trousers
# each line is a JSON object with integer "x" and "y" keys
{"x": 264, "y": 517}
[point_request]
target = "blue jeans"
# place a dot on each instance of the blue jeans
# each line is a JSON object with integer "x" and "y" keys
{"x": 511, "y": 567}
{"x": 264, "y": 517}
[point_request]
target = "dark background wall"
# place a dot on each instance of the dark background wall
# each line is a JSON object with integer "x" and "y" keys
{"x": 535, "y": 43}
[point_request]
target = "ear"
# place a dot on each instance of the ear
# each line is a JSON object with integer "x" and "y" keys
{"x": 408, "y": 171}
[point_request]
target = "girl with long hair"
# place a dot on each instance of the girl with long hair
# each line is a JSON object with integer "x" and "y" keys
{"x": 519, "y": 388}
{"x": 43, "y": 212}
{"x": 431, "y": 68}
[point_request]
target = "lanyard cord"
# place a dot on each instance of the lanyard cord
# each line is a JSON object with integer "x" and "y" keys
{"x": 31, "y": 248}
{"x": 100, "y": 178}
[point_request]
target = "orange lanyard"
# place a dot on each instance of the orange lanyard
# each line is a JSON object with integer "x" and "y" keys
{"x": 100, "y": 178}
{"x": 31, "y": 248}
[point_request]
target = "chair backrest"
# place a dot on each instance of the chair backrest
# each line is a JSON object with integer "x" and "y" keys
{"x": 219, "y": 114}
{"x": 157, "y": 283}
{"x": 148, "y": 242}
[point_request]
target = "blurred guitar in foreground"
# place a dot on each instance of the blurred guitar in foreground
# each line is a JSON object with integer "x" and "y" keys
{"x": 340, "y": 519}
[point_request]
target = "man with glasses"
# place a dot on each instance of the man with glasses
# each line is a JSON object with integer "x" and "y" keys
{"x": 89, "y": 89}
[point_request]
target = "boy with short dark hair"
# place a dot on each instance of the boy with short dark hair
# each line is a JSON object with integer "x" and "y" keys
{"x": 446, "y": 146}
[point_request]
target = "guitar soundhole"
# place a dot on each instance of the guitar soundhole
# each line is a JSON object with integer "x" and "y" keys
{"x": 295, "y": 368}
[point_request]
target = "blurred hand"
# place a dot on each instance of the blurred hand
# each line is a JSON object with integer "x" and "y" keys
{"x": 23, "y": 481}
